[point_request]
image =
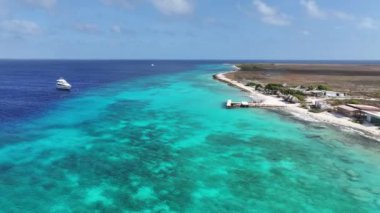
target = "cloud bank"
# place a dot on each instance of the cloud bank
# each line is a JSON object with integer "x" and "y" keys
{"x": 313, "y": 9}
{"x": 174, "y": 7}
{"x": 270, "y": 15}
{"x": 19, "y": 27}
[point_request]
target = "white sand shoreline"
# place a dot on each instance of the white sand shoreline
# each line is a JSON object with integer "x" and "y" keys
{"x": 371, "y": 132}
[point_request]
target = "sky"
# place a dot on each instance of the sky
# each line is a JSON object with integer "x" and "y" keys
{"x": 190, "y": 29}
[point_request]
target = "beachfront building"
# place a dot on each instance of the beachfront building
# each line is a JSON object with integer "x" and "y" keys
{"x": 333, "y": 94}
{"x": 317, "y": 93}
{"x": 328, "y": 94}
{"x": 322, "y": 105}
{"x": 372, "y": 117}
{"x": 291, "y": 99}
{"x": 348, "y": 111}
{"x": 369, "y": 113}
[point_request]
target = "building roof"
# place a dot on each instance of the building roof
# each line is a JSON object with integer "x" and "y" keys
{"x": 333, "y": 93}
{"x": 364, "y": 107}
{"x": 347, "y": 108}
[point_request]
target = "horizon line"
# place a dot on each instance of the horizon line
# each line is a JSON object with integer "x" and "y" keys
{"x": 168, "y": 59}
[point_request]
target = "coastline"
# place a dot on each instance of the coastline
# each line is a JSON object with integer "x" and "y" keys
{"x": 341, "y": 122}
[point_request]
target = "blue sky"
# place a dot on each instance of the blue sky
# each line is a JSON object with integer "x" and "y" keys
{"x": 190, "y": 29}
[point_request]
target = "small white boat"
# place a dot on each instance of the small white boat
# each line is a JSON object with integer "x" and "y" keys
{"x": 62, "y": 84}
{"x": 152, "y": 65}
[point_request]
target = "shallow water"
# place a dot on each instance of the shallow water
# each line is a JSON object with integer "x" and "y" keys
{"x": 164, "y": 143}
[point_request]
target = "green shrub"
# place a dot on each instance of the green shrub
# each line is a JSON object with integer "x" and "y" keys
{"x": 250, "y": 84}
{"x": 291, "y": 92}
{"x": 323, "y": 87}
{"x": 275, "y": 87}
{"x": 304, "y": 105}
{"x": 300, "y": 97}
{"x": 353, "y": 101}
{"x": 249, "y": 67}
{"x": 259, "y": 86}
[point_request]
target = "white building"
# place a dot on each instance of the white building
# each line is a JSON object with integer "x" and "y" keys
{"x": 372, "y": 117}
{"x": 321, "y": 105}
{"x": 333, "y": 94}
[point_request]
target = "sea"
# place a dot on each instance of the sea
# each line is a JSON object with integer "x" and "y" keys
{"x": 132, "y": 137}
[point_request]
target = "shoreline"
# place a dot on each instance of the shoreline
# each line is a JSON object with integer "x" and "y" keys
{"x": 341, "y": 122}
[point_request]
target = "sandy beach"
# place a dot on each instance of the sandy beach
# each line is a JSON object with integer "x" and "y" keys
{"x": 344, "y": 123}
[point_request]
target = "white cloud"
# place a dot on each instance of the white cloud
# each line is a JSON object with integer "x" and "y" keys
{"x": 270, "y": 15}
{"x": 369, "y": 23}
{"x": 313, "y": 9}
{"x": 19, "y": 27}
{"x": 47, "y": 4}
{"x": 87, "y": 28}
{"x": 174, "y": 7}
{"x": 167, "y": 7}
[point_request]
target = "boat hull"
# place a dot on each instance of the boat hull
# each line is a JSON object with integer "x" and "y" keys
{"x": 61, "y": 87}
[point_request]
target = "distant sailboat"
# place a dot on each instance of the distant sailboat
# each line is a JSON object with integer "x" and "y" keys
{"x": 152, "y": 65}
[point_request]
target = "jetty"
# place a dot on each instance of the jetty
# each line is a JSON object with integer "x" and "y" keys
{"x": 244, "y": 104}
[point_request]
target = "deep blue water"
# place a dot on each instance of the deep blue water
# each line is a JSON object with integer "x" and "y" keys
{"x": 27, "y": 87}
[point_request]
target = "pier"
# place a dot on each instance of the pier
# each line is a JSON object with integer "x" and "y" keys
{"x": 244, "y": 104}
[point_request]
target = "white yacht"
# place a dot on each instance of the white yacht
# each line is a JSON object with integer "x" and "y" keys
{"x": 62, "y": 84}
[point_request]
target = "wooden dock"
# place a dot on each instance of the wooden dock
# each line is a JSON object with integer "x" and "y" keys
{"x": 243, "y": 104}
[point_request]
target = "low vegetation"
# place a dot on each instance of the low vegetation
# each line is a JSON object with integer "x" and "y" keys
{"x": 274, "y": 87}
{"x": 256, "y": 86}
{"x": 286, "y": 91}
{"x": 323, "y": 87}
{"x": 295, "y": 93}
{"x": 250, "y": 67}
{"x": 304, "y": 105}
{"x": 251, "y": 84}
{"x": 259, "y": 86}
{"x": 356, "y": 80}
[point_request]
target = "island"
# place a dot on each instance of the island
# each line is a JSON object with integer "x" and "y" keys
{"x": 344, "y": 95}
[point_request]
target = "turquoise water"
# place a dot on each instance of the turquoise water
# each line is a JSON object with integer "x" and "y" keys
{"x": 165, "y": 143}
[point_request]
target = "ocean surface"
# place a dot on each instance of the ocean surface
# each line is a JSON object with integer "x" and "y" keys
{"x": 131, "y": 137}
